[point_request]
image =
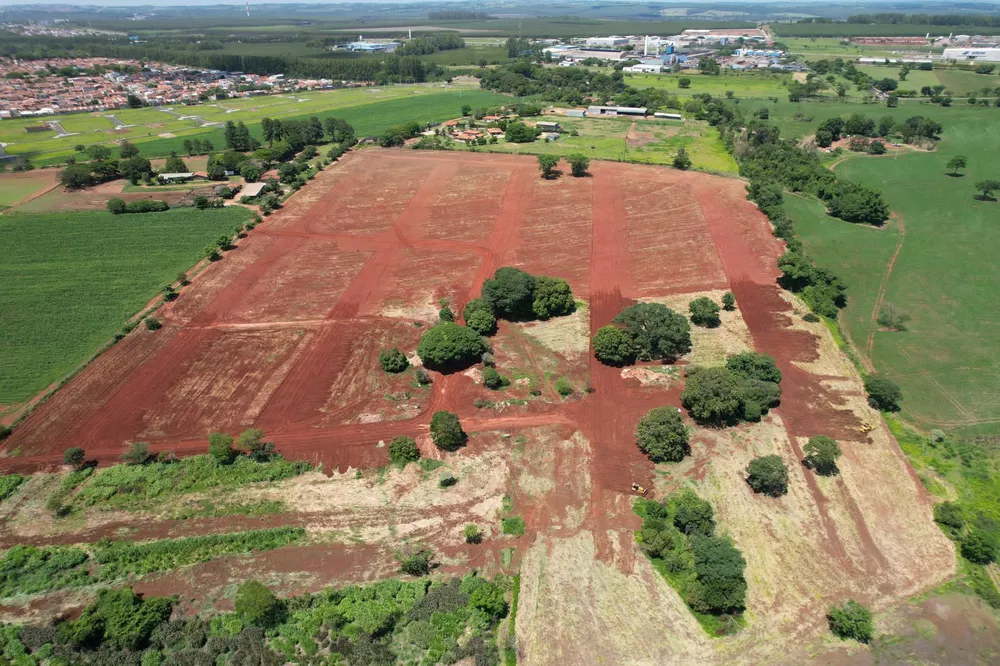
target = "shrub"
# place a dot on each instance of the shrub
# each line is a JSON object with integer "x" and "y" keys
{"x": 472, "y": 533}
{"x": 417, "y": 563}
{"x": 119, "y": 619}
{"x": 393, "y": 360}
{"x": 513, "y": 525}
{"x": 821, "y": 455}
{"x": 728, "y": 301}
{"x": 662, "y": 436}
{"x": 220, "y": 447}
{"x": 578, "y": 164}
{"x": 116, "y": 205}
{"x": 445, "y": 314}
{"x": 949, "y": 514}
{"x": 612, "y": 346}
{"x": 547, "y": 165}
{"x": 752, "y": 365}
{"x": 447, "y": 480}
{"x": 478, "y": 315}
{"x": 446, "y": 431}
{"x": 692, "y": 515}
{"x": 682, "y": 160}
{"x": 423, "y": 377}
{"x": 655, "y": 331}
{"x": 553, "y": 298}
{"x": 493, "y": 379}
{"x": 138, "y": 453}
{"x": 510, "y": 293}
{"x": 450, "y": 346}
{"x": 810, "y": 317}
{"x": 768, "y": 475}
{"x": 152, "y": 324}
{"x": 851, "y": 621}
{"x": 563, "y": 387}
{"x": 979, "y": 547}
{"x": 257, "y": 605}
{"x": 704, "y": 312}
{"x": 74, "y": 456}
{"x": 252, "y": 443}
{"x": 403, "y": 450}
{"x": 883, "y": 394}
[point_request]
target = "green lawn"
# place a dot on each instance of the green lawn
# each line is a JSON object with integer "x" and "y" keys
{"x": 70, "y": 280}
{"x": 915, "y": 79}
{"x": 961, "y": 83}
{"x": 746, "y": 84}
{"x": 945, "y": 276}
{"x": 82, "y": 122}
{"x": 13, "y": 188}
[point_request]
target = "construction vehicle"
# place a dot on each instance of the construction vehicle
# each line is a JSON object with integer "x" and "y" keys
{"x": 866, "y": 427}
{"x": 643, "y": 491}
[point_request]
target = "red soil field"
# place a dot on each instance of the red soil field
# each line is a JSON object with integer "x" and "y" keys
{"x": 284, "y": 332}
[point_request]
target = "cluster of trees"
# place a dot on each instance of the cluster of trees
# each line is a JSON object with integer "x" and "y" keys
{"x": 397, "y": 136}
{"x": 566, "y": 84}
{"x": 238, "y": 137}
{"x": 822, "y": 291}
{"x": 743, "y": 390}
{"x": 419, "y": 46}
{"x": 978, "y": 538}
{"x": 515, "y": 295}
{"x": 102, "y": 167}
{"x": 911, "y": 129}
{"x": 706, "y": 569}
{"x": 645, "y": 331}
{"x": 117, "y": 206}
{"x": 979, "y": 20}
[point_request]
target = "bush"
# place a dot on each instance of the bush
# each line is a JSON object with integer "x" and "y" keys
{"x": 949, "y": 514}
{"x": 119, "y": 619}
{"x": 478, "y": 315}
{"x": 252, "y": 443}
{"x": 513, "y": 525}
{"x": 851, "y": 621}
{"x": 768, "y": 475}
{"x": 655, "y": 331}
{"x": 553, "y": 298}
{"x": 403, "y": 450}
{"x": 692, "y": 515}
{"x": 220, "y": 447}
{"x": 612, "y": 346}
{"x": 116, "y": 206}
{"x": 728, "y": 301}
{"x": 446, "y": 431}
{"x": 510, "y": 293}
{"x": 662, "y": 436}
{"x": 883, "y": 393}
{"x": 493, "y": 379}
{"x": 138, "y": 453}
{"x": 563, "y": 387}
{"x": 447, "y": 480}
{"x": 682, "y": 160}
{"x": 74, "y": 456}
{"x": 450, "y": 346}
{"x": 257, "y": 605}
{"x": 445, "y": 314}
{"x": 704, "y": 312}
{"x": 752, "y": 365}
{"x": 417, "y": 563}
{"x": 547, "y": 165}
{"x": 578, "y": 165}
{"x": 146, "y": 206}
{"x": 821, "y": 455}
{"x": 979, "y": 547}
{"x": 423, "y": 377}
{"x": 472, "y": 533}
{"x": 393, "y": 360}
{"x": 152, "y": 324}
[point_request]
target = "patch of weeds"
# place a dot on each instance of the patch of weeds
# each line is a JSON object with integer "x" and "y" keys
{"x": 209, "y": 510}
{"x": 513, "y": 525}
{"x": 57, "y": 503}
{"x": 8, "y": 484}
{"x": 507, "y": 556}
{"x": 428, "y": 465}
{"x": 563, "y": 387}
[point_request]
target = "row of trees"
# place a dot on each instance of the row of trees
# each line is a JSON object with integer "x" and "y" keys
{"x": 911, "y": 129}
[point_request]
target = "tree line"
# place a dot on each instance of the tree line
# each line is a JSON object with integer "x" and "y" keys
{"x": 979, "y": 20}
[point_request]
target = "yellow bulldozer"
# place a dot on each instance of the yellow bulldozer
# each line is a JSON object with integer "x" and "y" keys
{"x": 641, "y": 490}
{"x": 865, "y": 427}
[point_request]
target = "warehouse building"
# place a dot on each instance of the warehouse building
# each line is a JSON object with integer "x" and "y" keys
{"x": 974, "y": 55}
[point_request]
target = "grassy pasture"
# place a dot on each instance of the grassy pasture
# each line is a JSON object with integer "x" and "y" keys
{"x": 915, "y": 79}
{"x": 15, "y": 187}
{"x": 961, "y": 83}
{"x": 70, "y": 280}
{"x": 948, "y": 362}
{"x": 745, "y": 85}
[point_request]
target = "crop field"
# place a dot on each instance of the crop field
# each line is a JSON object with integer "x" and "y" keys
{"x": 15, "y": 187}
{"x": 946, "y": 361}
{"x": 284, "y": 334}
{"x": 69, "y": 281}
{"x": 157, "y": 132}
{"x": 745, "y": 85}
{"x": 642, "y": 141}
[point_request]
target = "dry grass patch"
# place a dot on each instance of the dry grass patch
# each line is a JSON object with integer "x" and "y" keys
{"x": 569, "y": 335}
{"x": 711, "y": 346}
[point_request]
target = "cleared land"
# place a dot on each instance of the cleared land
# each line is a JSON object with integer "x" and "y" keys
{"x": 69, "y": 281}
{"x": 284, "y": 334}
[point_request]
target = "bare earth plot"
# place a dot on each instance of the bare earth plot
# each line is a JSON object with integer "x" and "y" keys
{"x": 284, "y": 333}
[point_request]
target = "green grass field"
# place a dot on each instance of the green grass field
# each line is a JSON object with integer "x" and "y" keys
{"x": 605, "y": 139}
{"x": 948, "y": 362}
{"x": 760, "y": 85}
{"x": 915, "y": 79}
{"x": 13, "y": 187}
{"x": 70, "y": 280}
{"x": 961, "y": 83}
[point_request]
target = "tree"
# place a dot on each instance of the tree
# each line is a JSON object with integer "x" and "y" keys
{"x": 768, "y": 475}
{"x": 713, "y": 395}
{"x": 135, "y": 168}
{"x": 137, "y": 453}
{"x": 478, "y": 316}
{"x": 547, "y": 165}
{"x": 578, "y": 164}
{"x": 175, "y": 164}
{"x": 681, "y": 160}
{"x": 220, "y": 447}
{"x": 257, "y": 605}
{"x": 450, "y": 346}
{"x": 883, "y": 394}
{"x": 655, "y": 331}
{"x": 957, "y": 163}
{"x": 986, "y": 188}
{"x": 692, "y": 515}
{"x": 201, "y": 202}
{"x": 950, "y": 515}
{"x": 851, "y": 621}
{"x": 251, "y": 172}
{"x": 127, "y": 149}
{"x": 445, "y": 314}
{"x": 152, "y": 323}
{"x": 753, "y": 365}
{"x": 117, "y": 206}
{"x": 472, "y": 533}
{"x": 552, "y": 298}
{"x": 979, "y": 547}
{"x": 252, "y": 443}
{"x": 684, "y": 82}
{"x": 662, "y": 436}
{"x": 719, "y": 566}
{"x": 612, "y": 346}
{"x": 821, "y": 455}
{"x": 728, "y": 301}
{"x": 446, "y": 431}
{"x": 392, "y": 360}
{"x": 892, "y": 317}
{"x": 510, "y": 293}
{"x": 76, "y": 176}
{"x": 518, "y": 132}
{"x": 416, "y": 563}
{"x": 704, "y": 312}
{"x": 74, "y": 456}
{"x": 403, "y": 450}
{"x": 466, "y": 110}
{"x": 493, "y": 379}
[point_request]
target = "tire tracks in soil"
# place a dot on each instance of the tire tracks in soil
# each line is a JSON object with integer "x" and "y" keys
{"x": 880, "y": 295}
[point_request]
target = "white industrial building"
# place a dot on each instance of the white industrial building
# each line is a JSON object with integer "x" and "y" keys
{"x": 607, "y": 42}
{"x": 977, "y": 55}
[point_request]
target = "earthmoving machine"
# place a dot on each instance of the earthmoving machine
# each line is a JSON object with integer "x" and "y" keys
{"x": 865, "y": 427}
{"x": 643, "y": 491}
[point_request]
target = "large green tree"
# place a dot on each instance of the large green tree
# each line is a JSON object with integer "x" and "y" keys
{"x": 553, "y": 298}
{"x": 478, "y": 316}
{"x": 662, "y": 436}
{"x": 612, "y": 346}
{"x": 448, "y": 346}
{"x": 510, "y": 293}
{"x": 447, "y": 432}
{"x": 655, "y": 331}
{"x": 768, "y": 475}
{"x": 821, "y": 454}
